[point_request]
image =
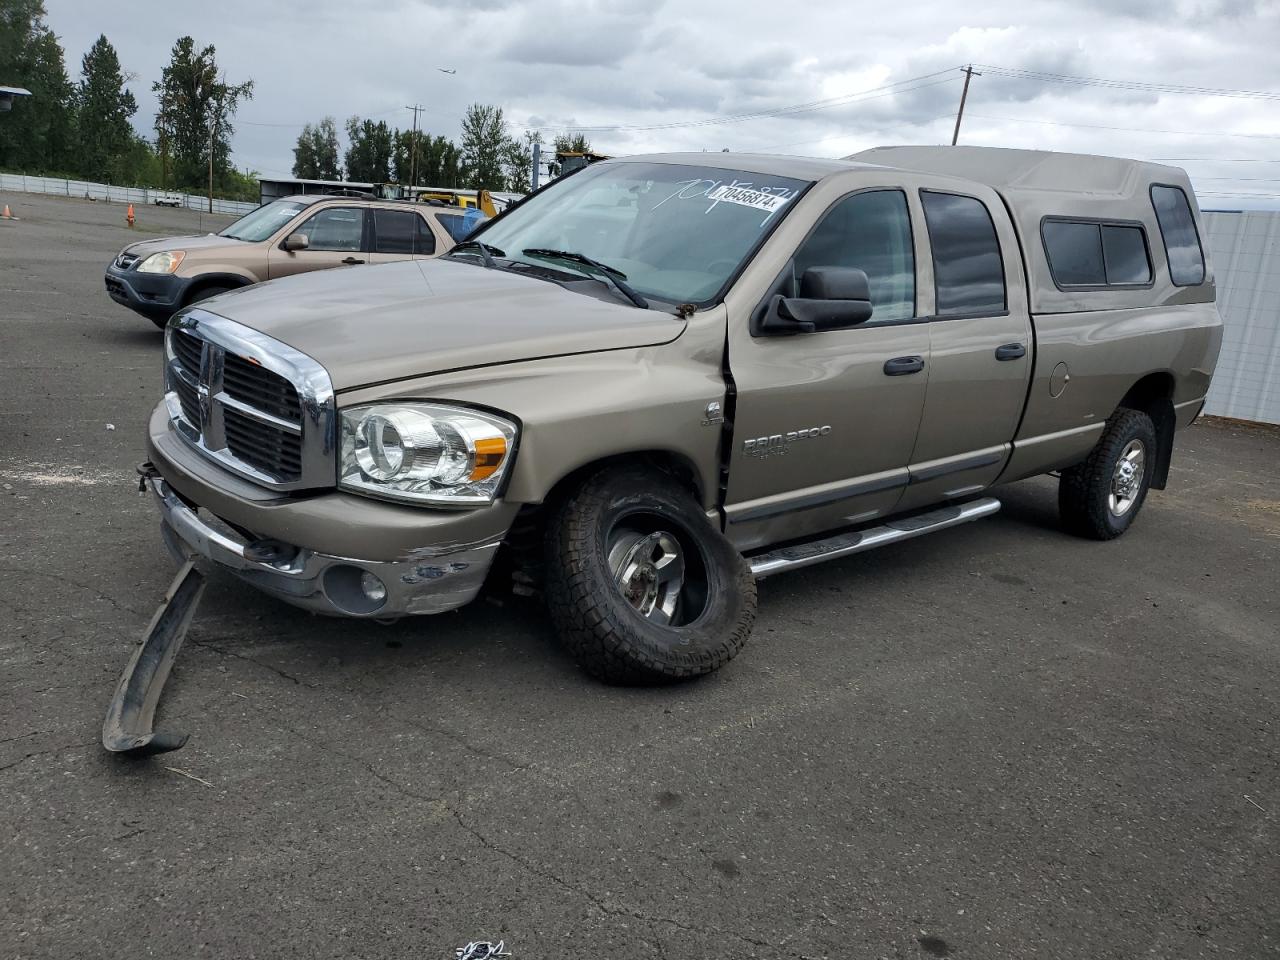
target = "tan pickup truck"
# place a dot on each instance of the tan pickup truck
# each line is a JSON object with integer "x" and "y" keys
{"x": 662, "y": 377}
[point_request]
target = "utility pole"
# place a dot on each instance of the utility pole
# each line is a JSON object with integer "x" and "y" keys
{"x": 413, "y": 149}
{"x": 969, "y": 73}
{"x": 213, "y": 126}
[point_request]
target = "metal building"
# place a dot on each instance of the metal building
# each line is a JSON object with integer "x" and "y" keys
{"x": 1244, "y": 247}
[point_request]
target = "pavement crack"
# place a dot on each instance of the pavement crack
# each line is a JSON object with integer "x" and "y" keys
{"x": 462, "y": 742}
{"x": 605, "y": 907}
{"x": 68, "y": 583}
{"x": 265, "y": 666}
{"x": 66, "y": 748}
{"x": 528, "y": 865}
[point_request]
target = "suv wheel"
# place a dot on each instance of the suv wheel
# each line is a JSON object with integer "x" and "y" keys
{"x": 199, "y": 295}
{"x": 642, "y": 589}
{"x": 1100, "y": 497}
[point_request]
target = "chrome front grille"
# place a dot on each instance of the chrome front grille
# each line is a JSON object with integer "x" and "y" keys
{"x": 126, "y": 260}
{"x": 255, "y": 405}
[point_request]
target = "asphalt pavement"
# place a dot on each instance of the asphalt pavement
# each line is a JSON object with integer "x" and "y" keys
{"x": 997, "y": 741}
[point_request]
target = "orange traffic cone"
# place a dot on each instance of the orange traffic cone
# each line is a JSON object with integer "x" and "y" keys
{"x": 7, "y": 214}
{"x": 129, "y": 215}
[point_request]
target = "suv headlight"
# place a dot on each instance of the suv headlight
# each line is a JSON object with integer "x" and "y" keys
{"x": 425, "y": 453}
{"x": 165, "y": 262}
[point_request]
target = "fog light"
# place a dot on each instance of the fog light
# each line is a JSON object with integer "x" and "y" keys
{"x": 373, "y": 588}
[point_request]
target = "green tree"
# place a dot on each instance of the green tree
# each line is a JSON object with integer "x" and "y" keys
{"x": 104, "y": 107}
{"x": 572, "y": 143}
{"x": 437, "y": 161}
{"x": 196, "y": 108}
{"x": 315, "y": 156}
{"x": 519, "y": 161}
{"x": 39, "y": 133}
{"x": 368, "y": 156}
{"x": 137, "y": 165}
{"x": 484, "y": 147}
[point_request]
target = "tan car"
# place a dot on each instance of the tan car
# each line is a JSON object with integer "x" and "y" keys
{"x": 663, "y": 377}
{"x": 288, "y": 236}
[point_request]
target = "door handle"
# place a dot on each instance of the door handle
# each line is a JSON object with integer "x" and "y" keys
{"x": 352, "y": 260}
{"x": 901, "y": 366}
{"x": 1011, "y": 351}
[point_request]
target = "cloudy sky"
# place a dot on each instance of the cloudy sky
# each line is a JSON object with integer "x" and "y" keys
{"x": 820, "y": 78}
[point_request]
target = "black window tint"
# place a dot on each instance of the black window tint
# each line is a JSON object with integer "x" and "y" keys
{"x": 393, "y": 231}
{"x": 1075, "y": 253}
{"x": 1125, "y": 252}
{"x": 338, "y": 229}
{"x": 968, "y": 271}
{"x": 872, "y": 232}
{"x": 1181, "y": 242}
{"x": 425, "y": 242}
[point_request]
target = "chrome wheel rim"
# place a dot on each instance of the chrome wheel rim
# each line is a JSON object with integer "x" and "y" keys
{"x": 1126, "y": 478}
{"x": 649, "y": 569}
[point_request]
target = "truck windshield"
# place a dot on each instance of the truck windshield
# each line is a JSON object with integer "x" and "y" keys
{"x": 263, "y": 222}
{"x": 676, "y": 233}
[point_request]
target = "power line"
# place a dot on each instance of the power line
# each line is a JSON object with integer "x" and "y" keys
{"x": 845, "y": 136}
{"x": 1211, "y": 160}
{"x": 1018, "y": 73}
{"x": 888, "y": 90}
{"x": 299, "y": 126}
{"x": 1094, "y": 126}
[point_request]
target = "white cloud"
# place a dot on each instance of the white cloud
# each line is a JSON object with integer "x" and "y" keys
{"x": 633, "y": 64}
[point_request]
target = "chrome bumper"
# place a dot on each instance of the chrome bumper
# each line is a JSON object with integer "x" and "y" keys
{"x": 323, "y": 584}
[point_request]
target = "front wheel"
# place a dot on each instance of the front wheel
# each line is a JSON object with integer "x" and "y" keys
{"x": 203, "y": 294}
{"x": 642, "y": 589}
{"x": 1100, "y": 497}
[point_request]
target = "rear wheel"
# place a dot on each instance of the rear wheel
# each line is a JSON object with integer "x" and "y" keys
{"x": 641, "y": 587}
{"x": 1100, "y": 497}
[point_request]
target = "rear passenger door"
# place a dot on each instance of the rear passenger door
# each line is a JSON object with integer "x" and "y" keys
{"x": 336, "y": 237}
{"x": 980, "y": 348}
{"x": 400, "y": 235}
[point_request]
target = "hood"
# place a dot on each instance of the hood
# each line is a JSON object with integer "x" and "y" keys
{"x": 395, "y": 321}
{"x": 197, "y": 242}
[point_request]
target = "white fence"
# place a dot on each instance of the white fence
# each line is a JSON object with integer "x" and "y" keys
{"x": 1245, "y": 248}
{"x": 102, "y": 191}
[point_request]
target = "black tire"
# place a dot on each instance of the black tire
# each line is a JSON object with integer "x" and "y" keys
{"x": 203, "y": 294}
{"x": 619, "y": 513}
{"x": 206, "y": 292}
{"x": 1085, "y": 491}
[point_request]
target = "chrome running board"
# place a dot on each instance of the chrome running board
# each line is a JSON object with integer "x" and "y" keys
{"x": 843, "y": 544}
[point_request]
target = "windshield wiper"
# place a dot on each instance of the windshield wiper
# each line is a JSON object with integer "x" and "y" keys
{"x": 610, "y": 275}
{"x": 486, "y": 252}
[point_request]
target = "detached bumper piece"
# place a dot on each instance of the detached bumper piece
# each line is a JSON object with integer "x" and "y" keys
{"x": 131, "y": 714}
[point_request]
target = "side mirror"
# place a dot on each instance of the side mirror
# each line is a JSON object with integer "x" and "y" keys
{"x": 296, "y": 241}
{"x": 831, "y": 298}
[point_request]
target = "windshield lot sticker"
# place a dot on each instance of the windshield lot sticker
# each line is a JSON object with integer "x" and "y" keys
{"x": 768, "y": 202}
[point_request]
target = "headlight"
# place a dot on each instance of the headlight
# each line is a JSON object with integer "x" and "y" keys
{"x": 165, "y": 262}
{"x": 425, "y": 453}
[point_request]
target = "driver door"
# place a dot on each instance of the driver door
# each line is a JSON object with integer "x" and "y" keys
{"x": 824, "y": 423}
{"x": 338, "y": 237}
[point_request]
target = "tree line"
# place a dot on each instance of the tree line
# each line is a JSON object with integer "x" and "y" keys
{"x": 81, "y": 128}
{"x": 486, "y": 155}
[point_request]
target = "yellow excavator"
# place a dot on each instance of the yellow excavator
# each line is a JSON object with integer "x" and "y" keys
{"x": 452, "y": 198}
